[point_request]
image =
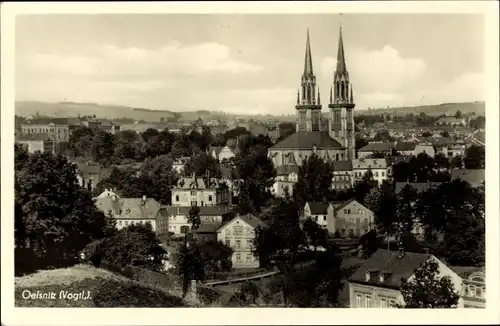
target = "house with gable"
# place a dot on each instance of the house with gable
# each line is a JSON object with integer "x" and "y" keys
{"x": 128, "y": 211}
{"x": 178, "y": 217}
{"x": 343, "y": 176}
{"x": 349, "y": 219}
{"x": 346, "y": 219}
{"x": 473, "y": 290}
{"x": 197, "y": 191}
{"x": 317, "y": 211}
{"x": 286, "y": 177}
{"x": 376, "y": 283}
{"x": 90, "y": 174}
{"x": 223, "y": 153}
{"x": 238, "y": 234}
{"x": 378, "y": 167}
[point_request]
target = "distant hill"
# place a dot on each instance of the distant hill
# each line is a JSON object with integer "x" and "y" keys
{"x": 66, "y": 109}
{"x": 438, "y": 109}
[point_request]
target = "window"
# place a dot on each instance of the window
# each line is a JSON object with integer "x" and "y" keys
{"x": 359, "y": 301}
{"x": 376, "y": 173}
{"x": 238, "y": 256}
{"x": 228, "y": 242}
{"x": 343, "y": 232}
{"x": 177, "y": 198}
{"x": 248, "y": 258}
{"x": 382, "y": 173}
{"x": 210, "y": 198}
{"x": 479, "y": 292}
{"x": 368, "y": 302}
{"x": 324, "y": 218}
{"x": 249, "y": 243}
{"x": 360, "y": 212}
{"x": 383, "y": 303}
{"x": 348, "y": 211}
{"x": 351, "y": 221}
{"x": 238, "y": 230}
{"x": 193, "y": 203}
{"x": 126, "y": 223}
{"x": 228, "y": 232}
{"x": 238, "y": 243}
{"x": 345, "y": 211}
{"x": 119, "y": 222}
{"x": 351, "y": 232}
{"x": 193, "y": 193}
{"x": 472, "y": 290}
{"x": 201, "y": 203}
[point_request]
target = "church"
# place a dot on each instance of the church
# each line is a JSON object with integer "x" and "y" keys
{"x": 333, "y": 139}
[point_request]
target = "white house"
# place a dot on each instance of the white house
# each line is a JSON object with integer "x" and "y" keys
{"x": 286, "y": 177}
{"x": 378, "y": 167}
{"x": 238, "y": 234}
{"x": 376, "y": 283}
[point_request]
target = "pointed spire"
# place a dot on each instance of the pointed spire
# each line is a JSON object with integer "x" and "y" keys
{"x": 351, "y": 98}
{"x": 331, "y": 97}
{"x": 308, "y": 68}
{"x": 341, "y": 67}
{"x": 298, "y": 96}
{"x": 319, "y": 97}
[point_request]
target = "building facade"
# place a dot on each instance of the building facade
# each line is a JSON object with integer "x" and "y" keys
{"x": 376, "y": 283}
{"x": 200, "y": 192}
{"x": 349, "y": 219}
{"x": 377, "y": 166}
{"x": 129, "y": 211}
{"x": 238, "y": 234}
{"x": 57, "y": 132}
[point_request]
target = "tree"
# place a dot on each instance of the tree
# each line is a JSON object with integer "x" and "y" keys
{"x": 135, "y": 244}
{"x": 194, "y": 217}
{"x": 258, "y": 172}
{"x": 441, "y": 162}
{"x": 405, "y": 211}
{"x": 457, "y": 162}
{"x": 202, "y": 163}
{"x": 54, "y": 217}
{"x": 156, "y": 178}
{"x": 363, "y": 187}
{"x": 383, "y": 136}
{"x": 316, "y": 236}
{"x": 314, "y": 181}
{"x": 474, "y": 157}
{"x": 464, "y": 240}
{"x": 282, "y": 237}
{"x": 428, "y": 290}
{"x": 458, "y": 114}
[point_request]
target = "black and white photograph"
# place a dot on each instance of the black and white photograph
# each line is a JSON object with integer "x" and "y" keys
{"x": 250, "y": 159}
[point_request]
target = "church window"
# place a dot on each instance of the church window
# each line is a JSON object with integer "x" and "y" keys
{"x": 337, "y": 157}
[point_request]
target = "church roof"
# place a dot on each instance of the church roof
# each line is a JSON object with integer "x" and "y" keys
{"x": 307, "y": 140}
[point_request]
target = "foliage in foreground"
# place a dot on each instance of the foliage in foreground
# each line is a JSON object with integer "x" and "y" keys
{"x": 428, "y": 290}
{"x": 103, "y": 293}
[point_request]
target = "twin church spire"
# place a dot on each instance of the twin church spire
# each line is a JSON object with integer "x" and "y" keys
{"x": 308, "y": 96}
{"x": 340, "y": 122}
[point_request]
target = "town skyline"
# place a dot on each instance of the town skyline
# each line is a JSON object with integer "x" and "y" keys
{"x": 118, "y": 60}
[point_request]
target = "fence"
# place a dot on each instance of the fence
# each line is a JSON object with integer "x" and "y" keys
{"x": 221, "y": 276}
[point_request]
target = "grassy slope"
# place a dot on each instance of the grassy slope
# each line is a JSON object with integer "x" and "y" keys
{"x": 106, "y": 289}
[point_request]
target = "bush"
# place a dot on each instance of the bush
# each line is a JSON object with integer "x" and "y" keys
{"x": 117, "y": 294}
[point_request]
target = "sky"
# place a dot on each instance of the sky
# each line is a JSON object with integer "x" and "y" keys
{"x": 247, "y": 63}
